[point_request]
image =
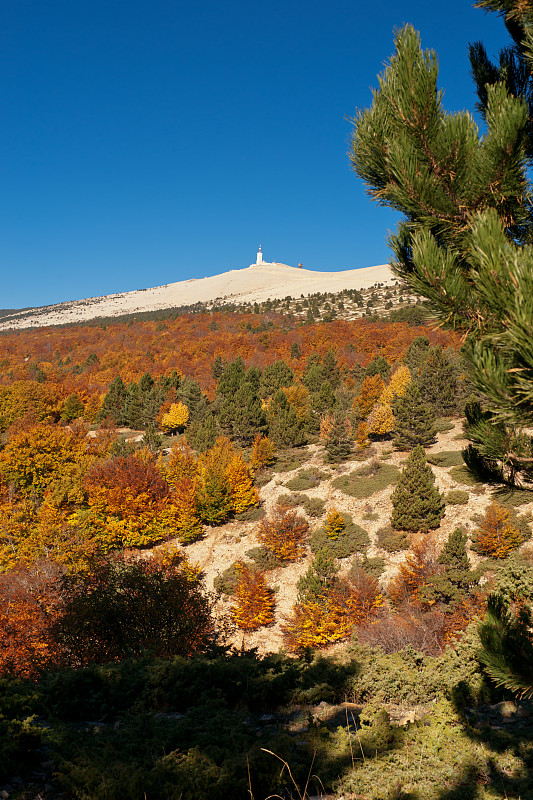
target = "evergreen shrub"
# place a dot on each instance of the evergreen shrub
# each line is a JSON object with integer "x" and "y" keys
{"x": 457, "y": 497}
{"x": 264, "y": 559}
{"x": 353, "y": 539}
{"x": 253, "y": 514}
{"x": 446, "y": 458}
{"x": 390, "y": 540}
{"x": 306, "y": 479}
{"x": 360, "y": 484}
{"x": 313, "y": 506}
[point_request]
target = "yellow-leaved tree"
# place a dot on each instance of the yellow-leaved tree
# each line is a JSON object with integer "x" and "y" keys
{"x": 254, "y": 599}
{"x": 381, "y": 419}
{"x": 225, "y": 482}
{"x": 176, "y": 418}
{"x": 397, "y": 386}
{"x": 45, "y": 459}
{"x": 321, "y": 621}
{"x": 263, "y": 452}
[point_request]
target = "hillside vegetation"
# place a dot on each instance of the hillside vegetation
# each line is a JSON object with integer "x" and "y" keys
{"x": 283, "y": 543}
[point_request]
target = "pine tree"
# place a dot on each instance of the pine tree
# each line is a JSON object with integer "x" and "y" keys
{"x": 414, "y": 420}
{"x": 318, "y": 579}
{"x": 437, "y": 381}
{"x": 507, "y": 646}
{"x": 114, "y": 400}
{"x": 338, "y": 443}
{"x": 454, "y": 580}
{"x": 275, "y": 377}
{"x": 72, "y": 408}
{"x": 285, "y": 428}
{"x": 417, "y": 505}
{"x": 465, "y": 243}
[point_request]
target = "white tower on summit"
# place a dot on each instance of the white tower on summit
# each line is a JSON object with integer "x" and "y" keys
{"x": 260, "y": 263}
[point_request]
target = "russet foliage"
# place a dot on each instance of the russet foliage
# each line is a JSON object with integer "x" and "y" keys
{"x": 332, "y": 617}
{"x": 284, "y": 534}
{"x": 255, "y": 602}
{"x": 496, "y": 536}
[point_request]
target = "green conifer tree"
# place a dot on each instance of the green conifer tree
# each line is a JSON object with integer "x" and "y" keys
{"x": 452, "y": 584}
{"x": 417, "y": 505}
{"x": 284, "y": 427}
{"x": 465, "y": 244}
{"x": 414, "y": 420}
{"x": 114, "y": 400}
{"x": 437, "y": 381}
{"x": 338, "y": 444}
{"x": 274, "y": 377}
{"x": 318, "y": 579}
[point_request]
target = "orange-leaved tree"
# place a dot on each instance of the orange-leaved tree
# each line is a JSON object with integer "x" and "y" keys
{"x": 419, "y": 564}
{"x": 263, "y": 452}
{"x": 496, "y": 535}
{"x": 28, "y": 602}
{"x": 254, "y": 599}
{"x": 370, "y": 391}
{"x": 321, "y": 621}
{"x": 284, "y": 534}
{"x": 129, "y": 502}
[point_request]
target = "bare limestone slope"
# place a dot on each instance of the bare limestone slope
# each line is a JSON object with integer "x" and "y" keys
{"x": 255, "y": 284}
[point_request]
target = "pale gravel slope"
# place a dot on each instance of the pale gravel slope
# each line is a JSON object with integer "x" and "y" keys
{"x": 255, "y": 284}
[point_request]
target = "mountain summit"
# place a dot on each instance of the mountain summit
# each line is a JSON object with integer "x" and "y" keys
{"x": 254, "y": 284}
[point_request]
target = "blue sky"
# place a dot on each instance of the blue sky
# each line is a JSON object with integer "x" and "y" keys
{"x": 144, "y": 143}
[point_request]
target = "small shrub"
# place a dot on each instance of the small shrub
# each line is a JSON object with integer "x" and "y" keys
{"x": 287, "y": 460}
{"x": 371, "y": 566}
{"x": 313, "y": 506}
{"x": 227, "y": 581}
{"x": 251, "y": 514}
{"x": 390, "y": 540}
{"x": 353, "y": 539}
{"x": 447, "y": 458}
{"x": 457, "y": 497}
{"x": 443, "y": 425}
{"x": 464, "y": 476}
{"x": 360, "y": 485}
{"x": 289, "y": 500}
{"x": 264, "y": 559}
{"x": 263, "y": 477}
{"x": 306, "y": 479}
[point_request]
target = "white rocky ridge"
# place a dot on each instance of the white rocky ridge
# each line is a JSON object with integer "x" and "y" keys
{"x": 254, "y": 284}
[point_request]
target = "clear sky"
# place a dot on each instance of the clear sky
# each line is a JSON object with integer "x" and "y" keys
{"x": 150, "y": 141}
